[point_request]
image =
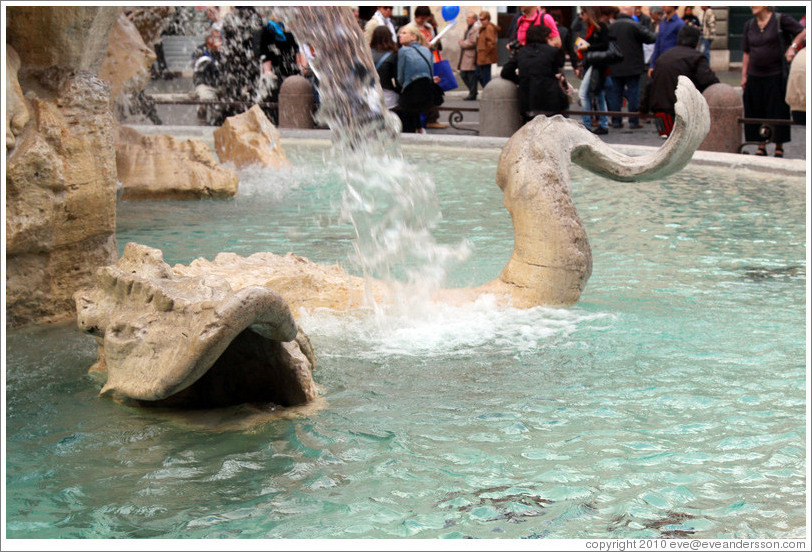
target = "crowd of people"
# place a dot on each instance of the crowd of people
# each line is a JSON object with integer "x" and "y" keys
{"x": 623, "y": 56}
{"x": 406, "y": 66}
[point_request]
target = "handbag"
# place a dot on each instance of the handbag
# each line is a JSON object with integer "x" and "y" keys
{"x": 438, "y": 97}
{"x": 420, "y": 95}
{"x": 610, "y": 56}
{"x": 443, "y": 70}
{"x": 615, "y": 54}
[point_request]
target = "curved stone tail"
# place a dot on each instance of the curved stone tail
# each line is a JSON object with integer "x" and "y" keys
{"x": 691, "y": 125}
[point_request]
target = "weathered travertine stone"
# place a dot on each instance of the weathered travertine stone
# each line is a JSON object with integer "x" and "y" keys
{"x": 16, "y": 111}
{"x": 68, "y": 37}
{"x": 127, "y": 63}
{"x": 60, "y": 197}
{"x": 249, "y": 139}
{"x": 552, "y": 260}
{"x": 61, "y": 174}
{"x": 150, "y": 21}
{"x": 303, "y": 284}
{"x": 166, "y": 339}
{"x": 162, "y": 167}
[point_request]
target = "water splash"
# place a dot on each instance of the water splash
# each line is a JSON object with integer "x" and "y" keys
{"x": 392, "y": 205}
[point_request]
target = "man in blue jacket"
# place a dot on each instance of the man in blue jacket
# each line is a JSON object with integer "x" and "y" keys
{"x": 670, "y": 25}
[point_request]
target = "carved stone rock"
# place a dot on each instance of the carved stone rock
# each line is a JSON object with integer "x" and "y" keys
{"x": 303, "y": 284}
{"x": 150, "y": 21}
{"x": 60, "y": 196}
{"x": 68, "y": 37}
{"x": 61, "y": 174}
{"x": 551, "y": 260}
{"x": 249, "y": 139}
{"x": 162, "y": 167}
{"x": 16, "y": 111}
{"x": 126, "y": 65}
{"x": 166, "y": 339}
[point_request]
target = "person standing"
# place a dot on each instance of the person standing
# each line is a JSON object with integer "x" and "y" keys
{"x": 206, "y": 76}
{"x": 486, "y": 54}
{"x": 239, "y": 64}
{"x": 689, "y": 17}
{"x": 527, "y": 17}
{"x": 467, "y": 62}
{"x": 630, "y": 37}
{"x": 766, "y": 53}
{"x": 796, "y": 83}
{"x": 382, "y": 17}
{"x": 415, "y": 76}
{"x": 708, "y": 25}
{"x": 592, "y": 73}
{"x": 641, "y": 17}
{"x": 423, "y": 24}
{"x": 667, "y": 32}
{"x": 567, "y": 37}
{"x": 660, "y": 96}
{"x": 278, "y": 54}
{"x": 385, "y": 58}
{"x": 535, "y": 69}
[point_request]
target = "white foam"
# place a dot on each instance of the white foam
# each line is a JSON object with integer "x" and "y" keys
{"x": 433, "y": 329}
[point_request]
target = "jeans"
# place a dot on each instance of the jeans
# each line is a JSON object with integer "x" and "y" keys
{"x": 628, "y": 87}
{"x": 483, "y": 73}
{"x": 704, "y": 47}
{"x": 586, "y": 102}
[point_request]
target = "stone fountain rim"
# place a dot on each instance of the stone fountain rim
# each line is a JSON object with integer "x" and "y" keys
{"x": 789, "y": 167}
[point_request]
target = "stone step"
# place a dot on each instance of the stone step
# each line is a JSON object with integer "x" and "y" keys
{"x": 178, "y": 51}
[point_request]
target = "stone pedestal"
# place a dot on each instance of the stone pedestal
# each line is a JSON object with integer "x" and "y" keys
{"x": 296, "y": 103}
{"x": 725, "y": 105}
{"x": 499, "y": 113}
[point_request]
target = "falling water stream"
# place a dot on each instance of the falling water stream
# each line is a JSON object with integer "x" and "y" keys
{"x": 391, "y": 204}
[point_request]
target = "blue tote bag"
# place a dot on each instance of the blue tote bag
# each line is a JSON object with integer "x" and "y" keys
{"x": 443, "y": 70}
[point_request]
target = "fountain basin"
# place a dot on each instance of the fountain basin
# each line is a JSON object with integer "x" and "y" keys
{"x": 670, "y": 401}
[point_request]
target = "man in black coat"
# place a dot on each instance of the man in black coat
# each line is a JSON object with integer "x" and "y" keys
{"x": 535, "y": 69}
{"x": 660, "y": 96}
{"x": 630, "y": 37}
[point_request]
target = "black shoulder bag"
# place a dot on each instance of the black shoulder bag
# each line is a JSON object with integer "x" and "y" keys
{"x": 439, "y": 96}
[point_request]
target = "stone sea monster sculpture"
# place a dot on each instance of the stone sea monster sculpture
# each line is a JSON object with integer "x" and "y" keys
{"x": 188, "y": 341}
{"x": 551, "y": 260}
{"x": 222, "y": 332}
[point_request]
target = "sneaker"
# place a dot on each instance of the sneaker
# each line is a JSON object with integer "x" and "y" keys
{"x": 436, "y": 125}
{"x": 638, "y": 125}
{"x": 600, "y": 130}
{"x": 620, "y": 125}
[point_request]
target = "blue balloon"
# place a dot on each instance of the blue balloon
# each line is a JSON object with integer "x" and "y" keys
{"x": 450, "y": 12}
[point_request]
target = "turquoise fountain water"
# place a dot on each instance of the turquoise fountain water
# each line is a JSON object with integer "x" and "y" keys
{"x": 670, "y": 401}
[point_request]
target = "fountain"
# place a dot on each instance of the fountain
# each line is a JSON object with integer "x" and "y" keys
{"x": 549, "y": 267}
{"x": 621, "y": 416}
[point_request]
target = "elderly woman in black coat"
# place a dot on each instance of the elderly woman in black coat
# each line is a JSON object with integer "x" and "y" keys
{"x": 536, "y": 68}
